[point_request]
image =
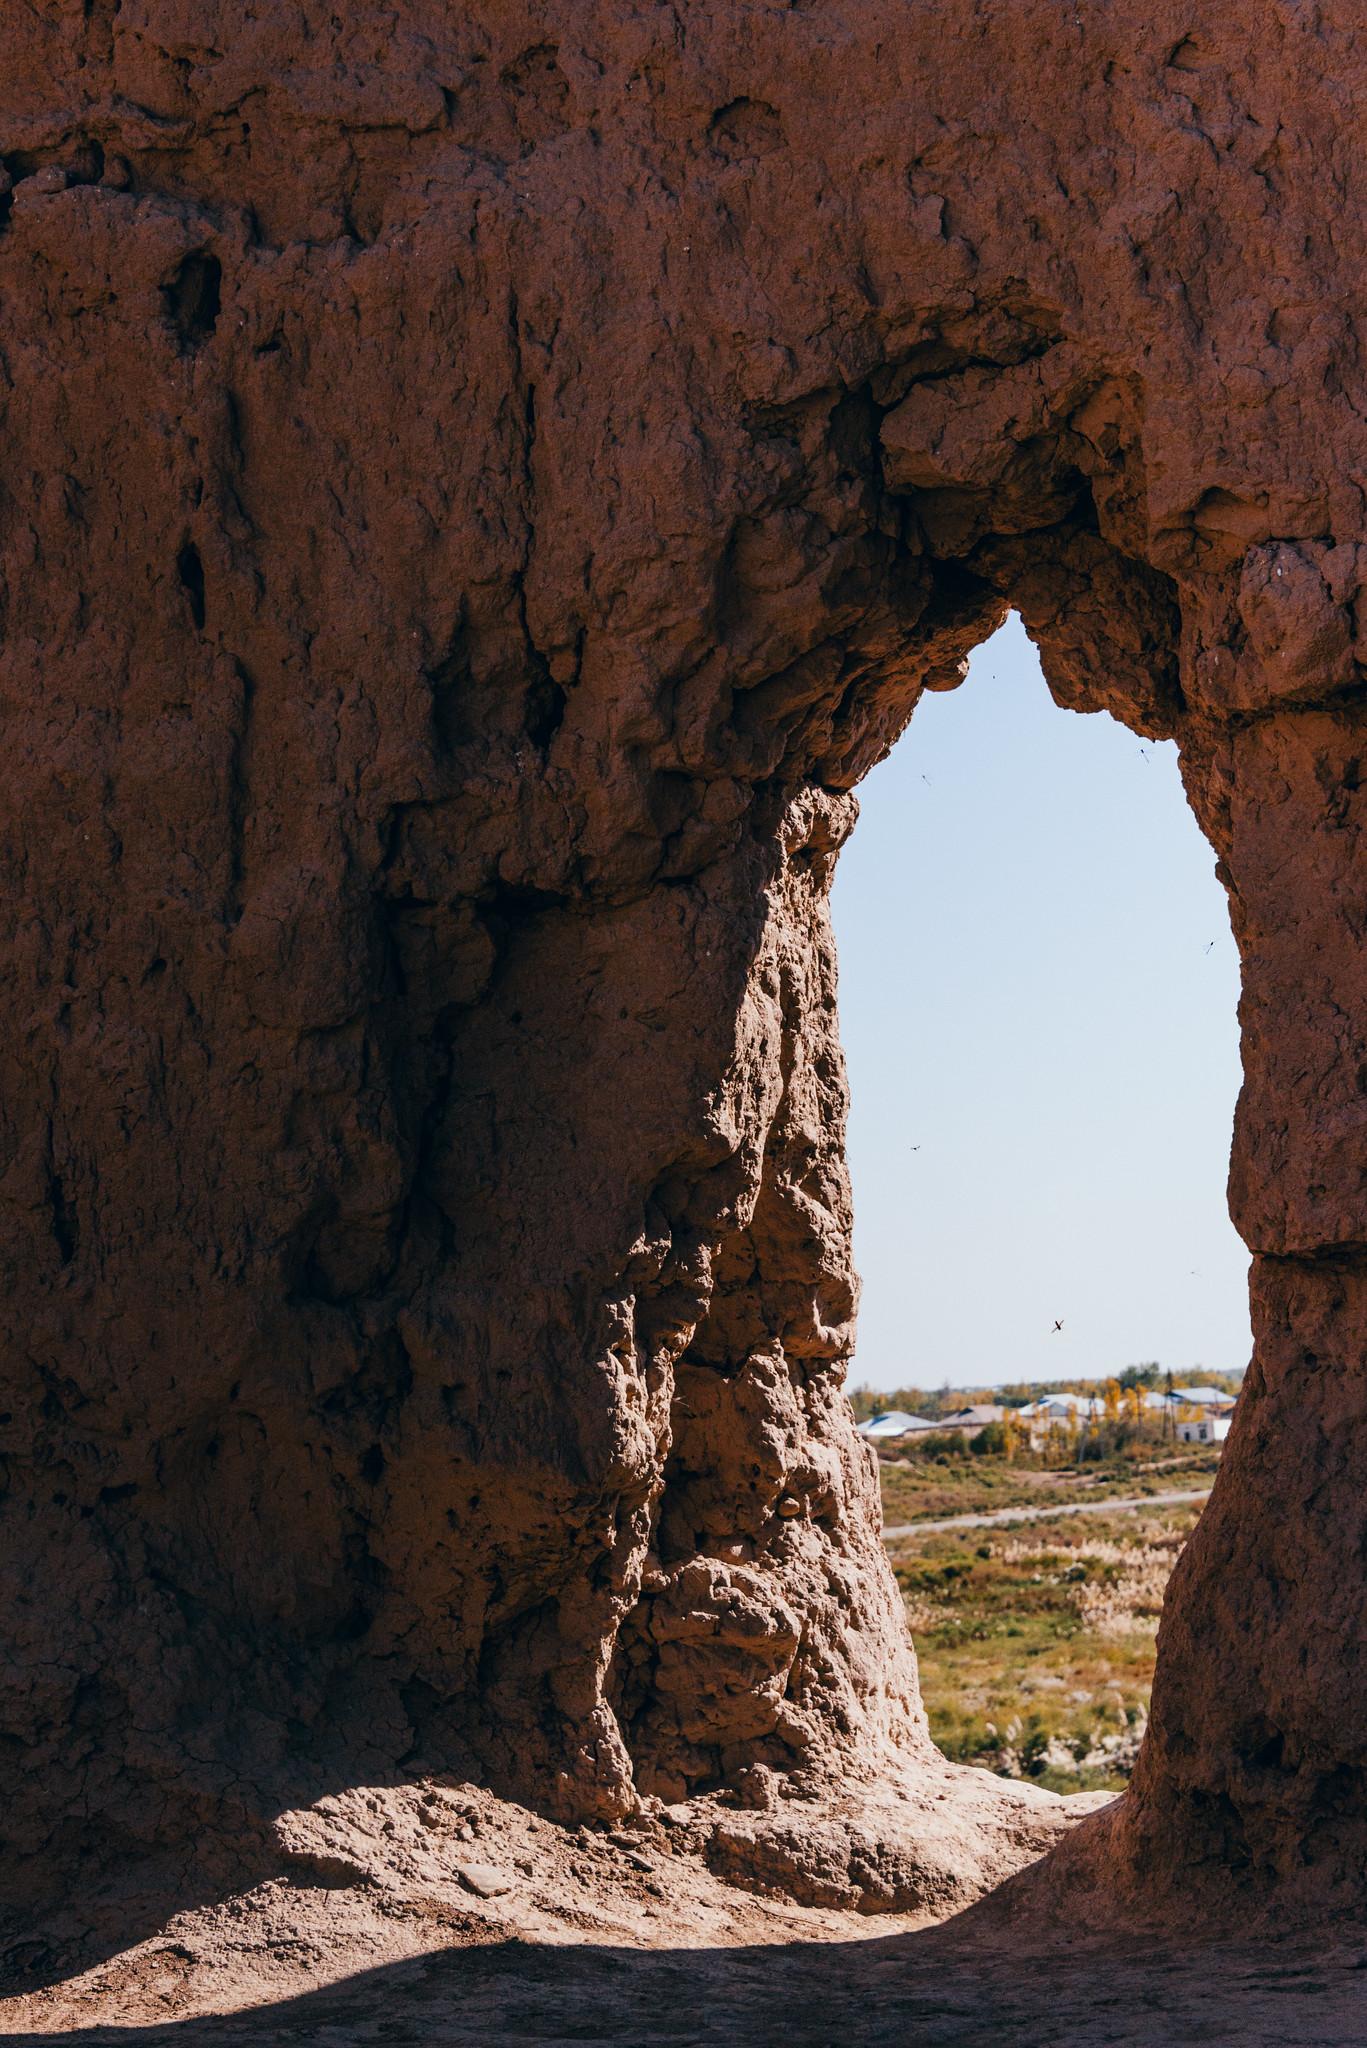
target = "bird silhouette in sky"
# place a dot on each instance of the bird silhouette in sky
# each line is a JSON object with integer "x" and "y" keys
{"x": 1058, "y": 1325}
{"x": 1211, "y": 944}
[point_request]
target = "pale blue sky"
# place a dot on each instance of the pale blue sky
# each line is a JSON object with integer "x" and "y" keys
{"x": 1042, "y": 1047}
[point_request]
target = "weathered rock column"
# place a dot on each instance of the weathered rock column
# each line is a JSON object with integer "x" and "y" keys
{"x": 1253, "y": 1772}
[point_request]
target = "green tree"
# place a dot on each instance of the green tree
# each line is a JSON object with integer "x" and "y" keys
{"x": 1141, "y": 1376}
{"x": 990, "y": 1438}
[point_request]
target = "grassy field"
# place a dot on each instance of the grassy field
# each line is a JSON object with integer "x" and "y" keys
{"x": 1036, "y": 1641}
{"x": 927, "y": 1489}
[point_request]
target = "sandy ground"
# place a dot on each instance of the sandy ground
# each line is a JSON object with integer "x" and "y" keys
{"x": 825, "y": 1984}
{"x": 505, "y": 1929}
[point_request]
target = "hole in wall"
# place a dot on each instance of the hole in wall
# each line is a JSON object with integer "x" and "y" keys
{"x": 1038, "y": 991}
{"x": 745, "y": 129}
{"x": 194, "y": 298}
{"x": 545, "y": 711}
{"x": 190, "y": 570}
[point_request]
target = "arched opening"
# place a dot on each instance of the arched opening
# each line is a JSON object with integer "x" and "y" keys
{"x": 1038, "y": 990}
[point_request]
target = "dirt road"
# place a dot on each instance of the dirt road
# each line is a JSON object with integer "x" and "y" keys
{"x": 995, "y": 1517}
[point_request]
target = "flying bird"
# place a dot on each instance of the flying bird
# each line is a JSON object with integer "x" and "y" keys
{"x": 1058, "y": 1325}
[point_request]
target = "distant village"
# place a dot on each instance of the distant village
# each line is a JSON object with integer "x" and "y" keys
{"x": 1142, "y": 1401}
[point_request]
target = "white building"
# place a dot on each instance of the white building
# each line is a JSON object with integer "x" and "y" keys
{"x": 1067, "y": 1412}
{"x": 1062, "y": 1408}
{"x": 893, "y": 1423}
{"x": 1206, "y": 1429}
{"x": 968, "y": 1421}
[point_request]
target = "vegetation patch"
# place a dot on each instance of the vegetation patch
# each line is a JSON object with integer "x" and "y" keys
{"x": 1036, "y": 1642}
{"x": 923, "y": 1483}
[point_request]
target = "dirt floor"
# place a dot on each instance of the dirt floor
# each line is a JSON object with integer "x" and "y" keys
{"x": 936, "y": 1991}
{"x": 509, "y": 1930}
{"x": 816, "y": 1980}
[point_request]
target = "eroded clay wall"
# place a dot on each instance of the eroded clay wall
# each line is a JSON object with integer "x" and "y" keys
{"x": 475, "y": 494}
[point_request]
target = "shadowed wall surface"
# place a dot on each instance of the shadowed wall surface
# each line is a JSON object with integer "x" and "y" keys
{"x": 475, "y": 496}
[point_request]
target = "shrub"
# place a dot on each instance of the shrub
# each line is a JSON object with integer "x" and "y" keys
{"x": 942, "y": 1444}
{"x": 1032, "y": 1751}
{"x": 990, "y": 1440}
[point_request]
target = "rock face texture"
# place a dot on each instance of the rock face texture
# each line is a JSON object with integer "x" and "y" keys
{"x": 477, "y": 490}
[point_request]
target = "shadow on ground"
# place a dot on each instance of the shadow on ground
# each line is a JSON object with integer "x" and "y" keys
{"x": 935, "y": 1989}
